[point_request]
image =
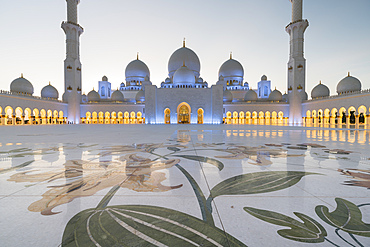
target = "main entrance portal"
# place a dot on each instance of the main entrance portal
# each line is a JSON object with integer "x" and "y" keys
{"x": 183, "y": 113}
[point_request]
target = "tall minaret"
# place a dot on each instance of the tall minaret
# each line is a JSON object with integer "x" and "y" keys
{"x": 297, "y": 62}
{"x": 72, "y": 64}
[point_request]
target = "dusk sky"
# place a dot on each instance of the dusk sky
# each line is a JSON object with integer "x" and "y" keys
{"x": 32, "y": 43}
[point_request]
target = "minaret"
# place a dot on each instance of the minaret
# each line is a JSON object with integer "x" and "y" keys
{"x": 72, "y": 64}
{"x": 297, "y": 62}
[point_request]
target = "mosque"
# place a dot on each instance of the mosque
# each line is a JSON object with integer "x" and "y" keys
{"x": 184, "y": 97}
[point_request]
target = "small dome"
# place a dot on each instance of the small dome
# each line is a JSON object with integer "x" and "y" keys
{"x": 264, "y": 78}
{"x": 49, "y": 92}
{"x": 104, "y": 78}
{"x": 285, "y": 97}
{"x": 181, "y": 56}
{"x": 184, "y": 76}
{"x": 246, "y": 84}
{"x": 21, "y": 85}
{"x": 228, "y": 96}
{"x": 200, "y": 80}
{"x": 250, "y": 95}
{"x": 136, "y": 69}
{"x": 319, "y": 91}
{"x": 64, "y": 97}
{"x": 168, "y": 80}
{"x": 304, "y": 95}
{"x": 93, "y": 96}
{"x": 231, "y": 68}
{"x": 275, "y": 96}
{"x": 349, "y": 84}
{"x": 117, "y": 96}
{"x": 140, "y": 96}
{"x": 83, "y": 98}
{"x": 122, "y": 84}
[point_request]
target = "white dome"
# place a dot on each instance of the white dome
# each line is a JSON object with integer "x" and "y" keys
{"x": 181, "y": 56}
{"x": 21, "y": 85}
{"x": 349, "y": 84}
{"x": 285, "y": 97}
{"x": 228, "y": 96}
{"x": 136, "y": 69}
{"x": 250, "y": 95}
{"x": 117, "y": 96}
{"x": 140, "y": 96}
{"x": 304, "y": 95}
{"x": 319, "y": 91}
{"x": 264, "y": 78}
{"x": 231, "y": 68}
{"x": 65, "y": 97}
{"x": 168, "y": 80}
{"x": 183, "y": 76}
{"x": 49, "y": 92}
{"x": 104, "y": 78}
{"x": 93, "y": 96}
{"x": 276, "y": 95}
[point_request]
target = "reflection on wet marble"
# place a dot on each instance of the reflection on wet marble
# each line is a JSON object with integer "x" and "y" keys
{"x": 185, "y": 186}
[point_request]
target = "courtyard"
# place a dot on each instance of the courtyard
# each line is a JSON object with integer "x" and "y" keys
{"x": 184, "y": 185}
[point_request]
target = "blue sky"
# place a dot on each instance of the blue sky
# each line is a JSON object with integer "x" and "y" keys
{"x": 337, "y": 40}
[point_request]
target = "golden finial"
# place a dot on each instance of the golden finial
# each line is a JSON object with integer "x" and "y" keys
{"x": 117, "y": 88}
{"x": 231, "y": 55}
{"x": 93, "y": 89}
{"x": 349, "y": 74}
{"x": 183, "y": 43}
{"x": 49, "y": 83}
{"x": 183, "y": 63}
{"x": 320, "y": 81}
{"x": 137, "y": 56}
{"x": 275, "y": 88}
{"x": 21, "y": 75}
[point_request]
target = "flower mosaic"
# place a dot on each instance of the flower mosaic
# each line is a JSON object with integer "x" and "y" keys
{"x": 143, "y": 168}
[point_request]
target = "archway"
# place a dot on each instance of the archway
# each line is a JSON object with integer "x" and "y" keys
{"x": 88, "y": 118}
{"x": 183, "y": 113}
{"x": 200, "y": 115}
{"x": 362, "y": 114}
{"x": 94, "y": 117}
{"x": 9, "y": 115}
{"x": 18, "y": 115}
{"x": 27, "y": 116}
{"x": 167, "y": 116}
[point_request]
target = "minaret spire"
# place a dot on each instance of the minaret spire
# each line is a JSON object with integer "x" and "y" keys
{"x": 297, "y": 10}
{"x": 72, "y": 64}
{"x": 297, "y": 62}
{"x": 183, "y": 43}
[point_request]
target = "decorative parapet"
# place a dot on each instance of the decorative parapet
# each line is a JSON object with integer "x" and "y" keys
{"x": 366, "y": 91}
{"x": 3, "y": 92}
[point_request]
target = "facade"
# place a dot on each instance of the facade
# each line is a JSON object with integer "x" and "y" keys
{"x": 184, "y": 97}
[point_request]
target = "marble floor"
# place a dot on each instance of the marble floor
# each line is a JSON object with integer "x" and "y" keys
{"x": 184, "y": 185}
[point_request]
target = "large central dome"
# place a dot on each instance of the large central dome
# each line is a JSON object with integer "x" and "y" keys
{"x": 180, "y": 56}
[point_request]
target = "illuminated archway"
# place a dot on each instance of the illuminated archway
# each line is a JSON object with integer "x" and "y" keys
{"x": 200, "y": 115}
{"x": 94, "y": 117}
{"x": 88, "y": 117}
{"x": 8, "y": 115}
{"x": 267, "y": 117}
{"x": 114, "y": 117}
{"x": 18, "y": 115}
{"x": 120, "y": 117}
{"x": 167, "y": 116}
{"x": 352, "y": 115}
{"x": 362, "y": 115}
{"x": 101, "y": 117}
{"x": 107, "y": 118}
{"x": 183, "y": 113}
